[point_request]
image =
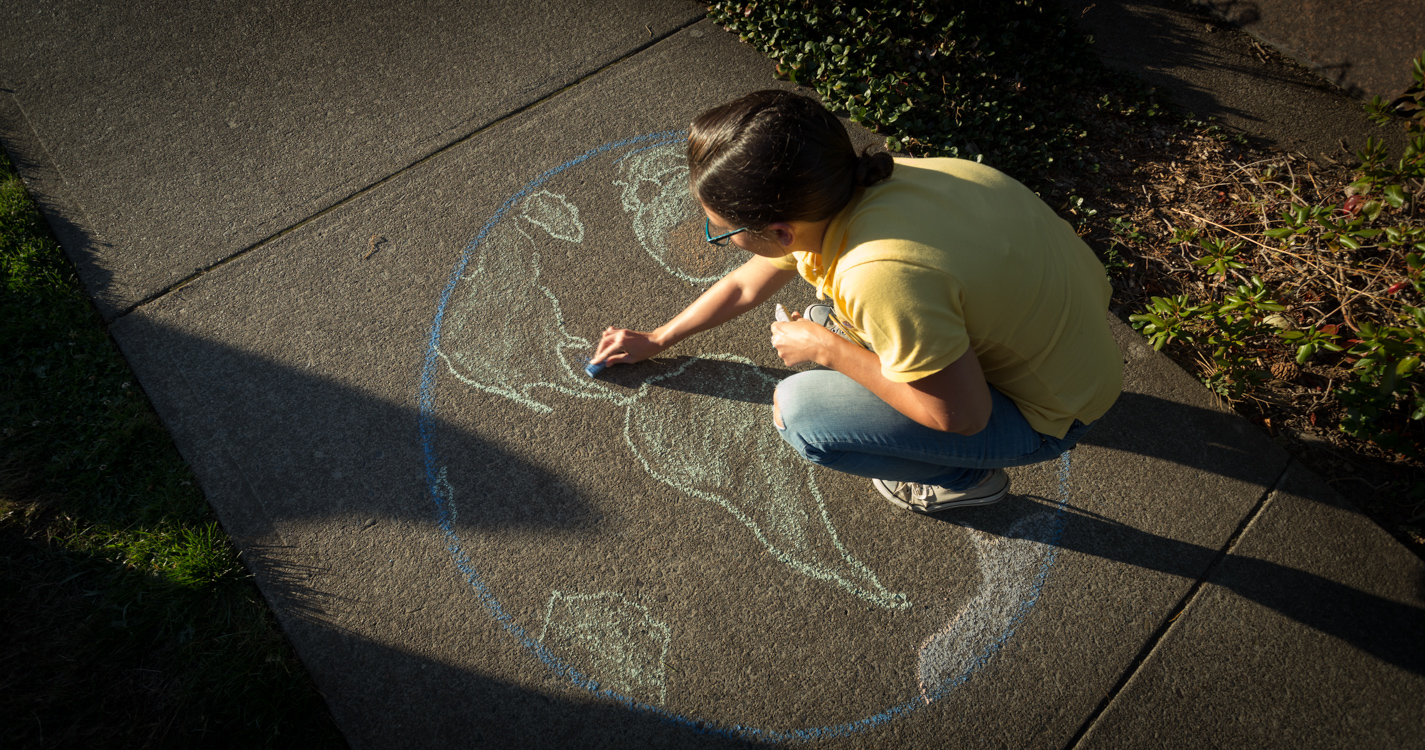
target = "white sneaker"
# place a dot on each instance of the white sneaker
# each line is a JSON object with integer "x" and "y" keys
{"x": 930, "y": 498}
{"x": 824, "y": 316}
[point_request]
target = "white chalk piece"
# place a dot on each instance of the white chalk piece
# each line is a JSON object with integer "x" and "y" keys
{"x": 782, "y": 316}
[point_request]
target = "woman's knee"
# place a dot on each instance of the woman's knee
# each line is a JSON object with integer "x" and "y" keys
{"x": 795, "y": 404}
{"x": 796, "y": 398}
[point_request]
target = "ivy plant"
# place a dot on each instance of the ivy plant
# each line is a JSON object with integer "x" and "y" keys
{"x": 993, "y": 82}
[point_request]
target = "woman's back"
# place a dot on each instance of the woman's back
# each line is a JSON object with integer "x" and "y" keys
{"x": 949, "y": 254}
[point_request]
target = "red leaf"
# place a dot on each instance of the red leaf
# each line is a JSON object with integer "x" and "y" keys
{"x": 1353, "y": 204}
{"x": 1396, "y": 287}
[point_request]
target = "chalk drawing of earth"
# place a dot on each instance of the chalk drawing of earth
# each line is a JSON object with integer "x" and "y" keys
{"x": 560, "y": 494}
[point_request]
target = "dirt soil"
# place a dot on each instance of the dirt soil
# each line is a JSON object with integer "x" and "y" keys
{"x": 1160, "y": 190}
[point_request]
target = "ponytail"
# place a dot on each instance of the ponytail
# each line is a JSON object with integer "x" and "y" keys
{"x": 777, "y": 156}
{"x": 872, "y": 168}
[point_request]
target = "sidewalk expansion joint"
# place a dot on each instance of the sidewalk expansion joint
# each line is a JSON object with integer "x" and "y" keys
{"x": 1191, "y": 596}
{"x": 363, "y": 191}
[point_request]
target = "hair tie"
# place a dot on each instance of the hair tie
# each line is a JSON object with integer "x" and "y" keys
{"x": 863, "y": 166}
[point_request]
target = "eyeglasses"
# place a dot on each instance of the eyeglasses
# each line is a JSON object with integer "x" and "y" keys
{"x": 722, "y": 239}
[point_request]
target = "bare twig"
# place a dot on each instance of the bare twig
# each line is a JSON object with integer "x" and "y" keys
{"x": 376, "y": 241}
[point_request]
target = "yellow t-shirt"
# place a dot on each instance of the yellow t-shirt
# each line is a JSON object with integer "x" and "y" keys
{"x": 949, "y": 254}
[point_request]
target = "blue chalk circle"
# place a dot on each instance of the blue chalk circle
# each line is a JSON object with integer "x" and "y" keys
{"x": 500, "y": 330}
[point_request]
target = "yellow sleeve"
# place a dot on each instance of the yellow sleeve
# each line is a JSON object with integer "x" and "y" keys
{"x": 787, "y": 262}
{"x": 913, "y": 316}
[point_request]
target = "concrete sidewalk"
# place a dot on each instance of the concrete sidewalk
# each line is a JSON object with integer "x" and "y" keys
{"x": 414, "y": 224}
{"x": 1365, "y": 47}
{"x": 1214, "y": 70}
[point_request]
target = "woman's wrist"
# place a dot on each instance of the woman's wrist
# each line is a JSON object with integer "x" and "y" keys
{"x": 662, "y": 337}
{"x": 836, "y": 353}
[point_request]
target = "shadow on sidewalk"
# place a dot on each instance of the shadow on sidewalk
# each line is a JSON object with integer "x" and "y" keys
{"x": 1385, "y": 629}
{"x": 301, "y": 467}
{"x": 1214, "y": 70}
{"x": 1182, "y": 434}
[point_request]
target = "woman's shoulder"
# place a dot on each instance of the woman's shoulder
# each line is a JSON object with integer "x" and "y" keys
{"x": 892, "y": 258}
{"x": 947, "y": 168}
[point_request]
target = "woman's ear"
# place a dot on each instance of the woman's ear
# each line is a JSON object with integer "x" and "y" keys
{"x": 784, "y": 233}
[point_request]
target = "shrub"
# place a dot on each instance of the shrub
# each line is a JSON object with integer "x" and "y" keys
{"x": 994, "y": 82}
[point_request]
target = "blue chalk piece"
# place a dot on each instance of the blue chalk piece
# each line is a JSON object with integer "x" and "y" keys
{"x": 594, "y": 370}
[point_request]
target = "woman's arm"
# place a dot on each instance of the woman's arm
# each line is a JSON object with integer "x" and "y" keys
{"x": 736, "y": 293}
{"x": 955, "y": 399}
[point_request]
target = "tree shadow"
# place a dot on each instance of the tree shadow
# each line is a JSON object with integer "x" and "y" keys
{"x": 1207, "y": 440}
{"x": 393, "y": 696}
{"x": 290, "y": 459}
{"x": 1385, "y": 629}
{"x": 43, "y": 184}
{"x": 1217, "y": 71}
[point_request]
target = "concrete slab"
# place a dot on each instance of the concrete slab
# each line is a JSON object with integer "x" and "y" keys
{"x": 466, "y": 539}
{"x": 162, "y": 137}
{"x": 1365, "y": 47}
{"x": 1306, "y": 636}
{"x": 1215, "y": 70}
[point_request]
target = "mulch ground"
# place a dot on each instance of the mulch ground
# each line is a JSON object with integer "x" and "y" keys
{"x": 1159, "y": 191}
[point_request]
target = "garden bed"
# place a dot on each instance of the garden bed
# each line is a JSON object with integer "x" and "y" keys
{"x": 1291, "y": 288}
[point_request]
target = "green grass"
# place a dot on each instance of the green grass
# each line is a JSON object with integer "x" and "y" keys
{"x": 129, "y": 620}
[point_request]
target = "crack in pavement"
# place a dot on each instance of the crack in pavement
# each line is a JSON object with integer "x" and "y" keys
{"x": 361, "y": 192}
{"x": 1191, "y": 596}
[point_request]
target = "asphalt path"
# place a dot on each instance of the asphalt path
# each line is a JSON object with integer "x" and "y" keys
{"x": 378, "y": 381}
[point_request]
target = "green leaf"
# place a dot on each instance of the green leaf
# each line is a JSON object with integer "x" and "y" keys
{"x": 1394, "y": 195}
{"x": 1387, "y": 383}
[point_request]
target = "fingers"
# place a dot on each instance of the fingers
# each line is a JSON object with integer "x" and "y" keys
{"x": 796, "y": 343}
{"x": 610, "y": 342}
{"x": 622, "y": 346}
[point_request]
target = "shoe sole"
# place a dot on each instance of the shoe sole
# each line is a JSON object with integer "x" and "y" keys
{"x": 967, "y": 503}
{"x": 828, "y": 322}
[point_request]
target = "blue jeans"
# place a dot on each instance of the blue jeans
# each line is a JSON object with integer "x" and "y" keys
{"x": 835, "y": 422}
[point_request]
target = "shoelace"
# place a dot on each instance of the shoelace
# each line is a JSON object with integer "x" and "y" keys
{"x": 920, "y": 492}
{"x": 834, "y": 327}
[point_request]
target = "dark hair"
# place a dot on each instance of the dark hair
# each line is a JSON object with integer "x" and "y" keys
{"x": 777, "y": 156}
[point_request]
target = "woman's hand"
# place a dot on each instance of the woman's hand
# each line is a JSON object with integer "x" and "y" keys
{"x": 799, "y": 341}
{"x": 619, "y": 346}
{"x": 747, "y": 287}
